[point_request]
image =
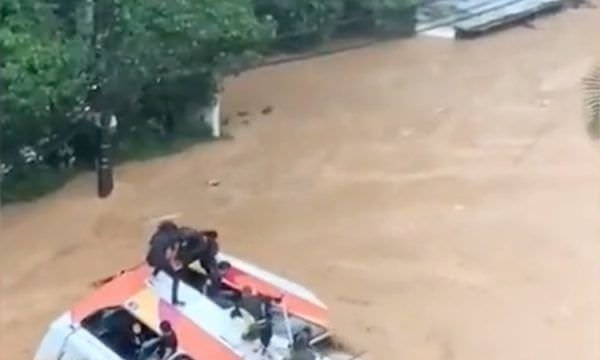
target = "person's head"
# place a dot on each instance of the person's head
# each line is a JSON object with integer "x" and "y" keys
{"x": 167, "y": 226}
{"x": 223, "y": 267}
{"x": 165, "y": 327}
{"x": 136, "y": 328}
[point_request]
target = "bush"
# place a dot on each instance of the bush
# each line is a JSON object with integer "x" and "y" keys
{"x": 150, "y": 60}
{"x": 301, "y": 23}
{"x": 392, "y": 17}
{"x": 304, "y": 23}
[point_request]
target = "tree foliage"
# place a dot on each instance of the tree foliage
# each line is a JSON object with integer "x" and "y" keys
{"x": 302, "y": 20}
{"x": 302, "y": 23}
{"x": 61, "y": 58}
{"x": 41, "y": 72}
{"x": 145, "y": 61}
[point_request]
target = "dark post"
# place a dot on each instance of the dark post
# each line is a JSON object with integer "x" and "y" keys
{"x": 104, "y": 165}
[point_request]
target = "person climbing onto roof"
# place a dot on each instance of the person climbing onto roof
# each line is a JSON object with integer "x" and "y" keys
{"x": 252, "y": 303}
{"x": 302, "y": 338}
{"x": 260, "y": 309}
{"x": 192, "y": 244}
{"x": 213, "y": 287}
{"x": 208, "y": 258}
{"x": 301, "y": 346}
{"x": 200, "y": 246}
{"x": 162, "y": 255}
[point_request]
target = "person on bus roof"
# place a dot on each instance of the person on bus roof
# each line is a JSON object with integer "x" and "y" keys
{"x": 162, "y": 255}
{"x": 208, "y": 258}
{"x": 200, "y": 246}
{"x": 191, "y": 245}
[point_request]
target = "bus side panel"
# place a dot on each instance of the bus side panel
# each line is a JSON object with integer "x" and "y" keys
{"x": 82, "y": 345}
{"x": 54, "y": 339}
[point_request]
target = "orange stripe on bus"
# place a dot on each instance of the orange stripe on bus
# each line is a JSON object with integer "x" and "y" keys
{"x": 113, "y": 293}
{"x": 130, "y": 286}
{"x": 198, "y": 343}
{"x": 295, "y": 305}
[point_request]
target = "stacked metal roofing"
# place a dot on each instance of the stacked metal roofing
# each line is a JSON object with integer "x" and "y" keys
{"x": 464, "y": 17}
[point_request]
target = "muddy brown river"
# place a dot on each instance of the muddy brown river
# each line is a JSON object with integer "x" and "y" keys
{"x": 443, "y": 198}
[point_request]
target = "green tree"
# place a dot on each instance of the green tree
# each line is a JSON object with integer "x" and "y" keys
{"x": 144, "y": 60}
{"x": 54, "y": 52}
{"x": 158, "y": 43}
{"x": 63, "y": 57}
{"x": 40, "y": 71}
{"x": 301, "y": 22}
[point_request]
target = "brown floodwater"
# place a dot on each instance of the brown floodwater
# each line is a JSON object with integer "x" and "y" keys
{"x": 442, "y": 197}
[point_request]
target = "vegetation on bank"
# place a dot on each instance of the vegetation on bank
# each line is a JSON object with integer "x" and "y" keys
{"x": 149, "y": 62}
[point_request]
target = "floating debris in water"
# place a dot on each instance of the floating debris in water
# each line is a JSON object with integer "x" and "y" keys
{"x": 267, "y": 110}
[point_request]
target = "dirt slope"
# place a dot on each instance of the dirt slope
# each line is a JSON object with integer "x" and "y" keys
{"x": 442, "y": 197}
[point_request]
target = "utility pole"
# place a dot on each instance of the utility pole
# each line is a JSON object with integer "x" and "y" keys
{"x": 104, "y": 168}
{"x": 105, "y": 124}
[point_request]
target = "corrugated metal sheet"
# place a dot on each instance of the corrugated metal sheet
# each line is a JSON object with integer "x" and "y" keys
{"x": 471, "y": 16}
{"x": 505, "y": 12}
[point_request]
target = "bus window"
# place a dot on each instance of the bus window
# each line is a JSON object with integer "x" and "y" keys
{"x": 120, "y": 331}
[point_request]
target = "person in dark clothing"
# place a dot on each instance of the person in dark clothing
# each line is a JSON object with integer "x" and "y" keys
{"x": 266, "y": 331}
{"x": 215, "y": 291}
{"x": 252, "y": 303}
{"x": 162, "y": 254}
{"x": 208, "y": 258}
{"x": 168, "y": 341}
{"x": 192, "y": 245}
{"x": 302, "y": 338}
{"x": 200, "y": 246}
{"x": 136, "y": 334}
{"x": 301, "y": 346}
{"x": 260, "y": 308}
{"x": 213, "y": 286}
{"x": 162, "y": 247}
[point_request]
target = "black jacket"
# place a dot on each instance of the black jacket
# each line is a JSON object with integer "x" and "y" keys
{"x": 160, "y": 242}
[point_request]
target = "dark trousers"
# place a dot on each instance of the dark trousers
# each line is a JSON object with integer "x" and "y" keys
{"x": 211, "y": 269}
{"x": 266, "y": 334}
